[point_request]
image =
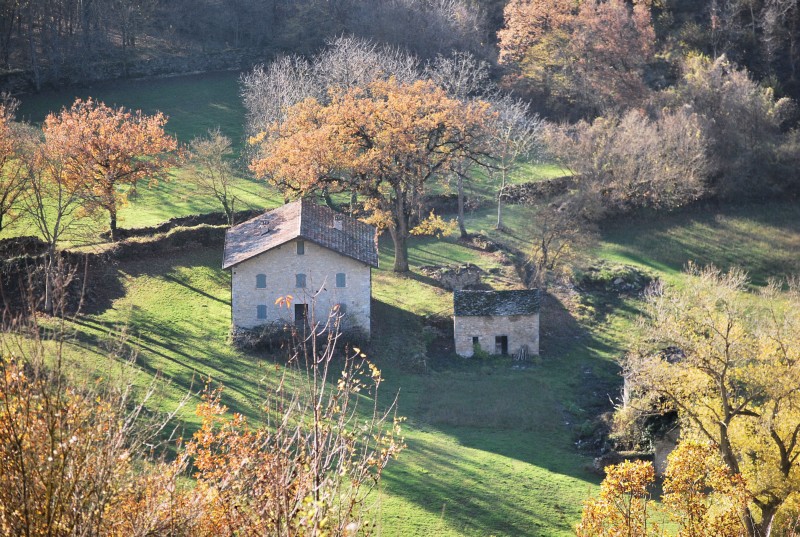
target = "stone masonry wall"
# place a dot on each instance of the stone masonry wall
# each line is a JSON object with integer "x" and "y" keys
{"x": 520, "y": 329}
{"x": 320, "y": 265}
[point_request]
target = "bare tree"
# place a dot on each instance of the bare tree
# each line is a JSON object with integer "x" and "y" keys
{"x": 212, "y": 171}
{"x": 560, "y": 233}
{"x": 743, "y": 125}
{"x": 464, "y": 77}
{"x": 268, "y": 91}
{"x": 516, "y": 137}
{"x": 51, "y": 202}
{"x": 347, "y": 62}
{"x": 632, "y": 162}
{"x": 461, "y": 74}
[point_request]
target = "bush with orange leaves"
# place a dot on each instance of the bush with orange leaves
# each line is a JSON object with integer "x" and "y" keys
{"x": 78, "y": 457}
{"x": 311, "y": 469}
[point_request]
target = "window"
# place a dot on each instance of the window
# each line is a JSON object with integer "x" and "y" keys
{"x": 301, "y": 247}
{"x": 300, "y": 280}
{"x": 476, "y": 341}
{"x": 341, "y": 309}
{"x": 261, "y": 311}
{"x": 261, "y": 281}
{"x": 341, "y": 279}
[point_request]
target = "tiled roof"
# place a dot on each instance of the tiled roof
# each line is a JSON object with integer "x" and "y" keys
{"x": 301, "y": 219}
{"x": 489, "y": 303}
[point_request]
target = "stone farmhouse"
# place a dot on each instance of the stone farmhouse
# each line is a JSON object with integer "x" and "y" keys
{"x": 497, "y": 322}
{"x": 305, "y": 250}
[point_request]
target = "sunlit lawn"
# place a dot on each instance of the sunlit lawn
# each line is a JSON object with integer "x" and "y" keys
{"x": 490, "y": 447}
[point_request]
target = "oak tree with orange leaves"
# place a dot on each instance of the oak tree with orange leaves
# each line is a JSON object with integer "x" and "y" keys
{"x": 387, "y": 141}
{"x": 107, "y": 151}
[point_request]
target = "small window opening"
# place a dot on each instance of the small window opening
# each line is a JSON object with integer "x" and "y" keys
{"x": 476, "y": 341}
{"x": 301, "y": 247}
{"x": 261, "y": 311}
{"x": 341, "y": 309}
{"x": 261, "y": 281}
{"x": 341, "y": 279}
{"x": 501, "y": 345}
{"x": 300, "y": 280}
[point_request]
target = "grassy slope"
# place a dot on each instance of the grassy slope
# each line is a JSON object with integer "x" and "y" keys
{"x": 762, "y": 239}
{"x": 490, "y": 447}
{"x": 194, "y": 104}
{"x": 487, "y": 444}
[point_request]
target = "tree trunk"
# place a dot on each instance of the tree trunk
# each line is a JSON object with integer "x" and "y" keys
{"x": 400, "y": 233}
{"x": 328, "y": 199}
{"x": 461, "y": 227}
{"x": 113, "y": 224}
{"x": 32, "y": 51}
{"x": 48, "y": 280}
{"x": 400, "y": 251}
{"x": 229, "y": 212}
{"x": 499, "y": 224}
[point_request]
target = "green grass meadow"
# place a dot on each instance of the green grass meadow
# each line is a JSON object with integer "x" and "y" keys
{"x": 491, "y": 447}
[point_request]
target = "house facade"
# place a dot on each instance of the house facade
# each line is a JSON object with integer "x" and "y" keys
{"x": 497, "y": 322}
{"x": 320, "y": 258}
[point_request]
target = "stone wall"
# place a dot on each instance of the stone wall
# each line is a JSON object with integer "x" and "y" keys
{"x": 520, "y": 329}
{"x": 23, "y": 81}
{"x": 281, "y": 265}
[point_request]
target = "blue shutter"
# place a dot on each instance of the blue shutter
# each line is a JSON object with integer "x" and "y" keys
{"x": 300, "y": 280}
{"x": 341, "y": 279}
{"x": 261, "y": 311}
{"x": 301, "y": 247}
{"x": 261, "y": 281}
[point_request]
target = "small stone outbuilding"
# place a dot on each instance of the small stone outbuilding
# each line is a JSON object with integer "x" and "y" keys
{"x": 304, "y": 250}
{"x": 497, "y": 322}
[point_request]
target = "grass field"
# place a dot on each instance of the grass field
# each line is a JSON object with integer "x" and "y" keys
{"x": 194, "y": 104}
{"x": 491, "y": 448}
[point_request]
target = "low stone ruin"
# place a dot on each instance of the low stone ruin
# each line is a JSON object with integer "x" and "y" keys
{"x": 453, "y": 277}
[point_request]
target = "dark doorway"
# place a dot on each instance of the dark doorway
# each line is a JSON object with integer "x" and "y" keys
{"x": 300, "y": 314}
{"x": 501, "y": 345}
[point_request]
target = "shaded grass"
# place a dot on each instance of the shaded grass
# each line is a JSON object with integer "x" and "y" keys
{"x": 763, "y": 239}
{"x": 466, "y": 452}
{"x": 193, "y": 103}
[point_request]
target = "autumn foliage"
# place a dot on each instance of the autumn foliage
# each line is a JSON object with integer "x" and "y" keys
{"x": 387, "y": 141}
{"x": 107, "y": 151}
{"x": 12, "y": 176}
{"x": 86, "y": 456}
{"x": 735, "y": 384}
{"x": 700, "y": 496}
{"x": 590, "y": 52}
{"x": 624, "y": 506}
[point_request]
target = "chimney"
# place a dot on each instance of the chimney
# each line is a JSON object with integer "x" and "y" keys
{"x": 337, "y": 221}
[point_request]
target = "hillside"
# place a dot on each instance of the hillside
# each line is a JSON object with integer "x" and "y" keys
{"x": 491, "y": 444}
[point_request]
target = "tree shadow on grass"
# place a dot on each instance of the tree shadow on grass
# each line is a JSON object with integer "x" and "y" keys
{"x": 529, "y": 415}
{"x": 473, "y": 493}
